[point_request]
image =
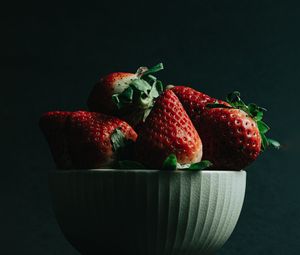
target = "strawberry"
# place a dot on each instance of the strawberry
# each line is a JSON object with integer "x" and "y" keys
{"x": 231, "y": 138}
{"x": 233, "y": 133}
{"x": 168, "y": 130}
{"x": 53, "y": 126}
{"x": 127, "y": 95}
{"x": 95, "y": 138}
{"x": 100, "y": 98}
{"x": 194, "y": 101}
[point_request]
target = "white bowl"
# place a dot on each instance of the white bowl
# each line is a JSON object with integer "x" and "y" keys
{"x": 147, "y": 212}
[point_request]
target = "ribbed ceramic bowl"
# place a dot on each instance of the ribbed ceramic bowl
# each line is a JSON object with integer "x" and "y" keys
{"x": 147, "y": 212}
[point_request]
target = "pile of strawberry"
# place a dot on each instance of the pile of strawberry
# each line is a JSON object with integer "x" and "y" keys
{"x": 134, "y": 122}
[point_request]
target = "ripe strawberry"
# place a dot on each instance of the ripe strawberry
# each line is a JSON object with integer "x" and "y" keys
{"x": 231, "y": 138}
{"x": 232, "y": 133}
{"x": 100, "y": 98}
{"x": 53, "y": 126}
{"x": 95, "y": 138}
{"x": 127, "y": 95}
{"x": 168, "y": 130}
{"x": 194, "y": 101}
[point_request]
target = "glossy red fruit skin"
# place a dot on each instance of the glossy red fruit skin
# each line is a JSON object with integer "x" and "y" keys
{"x": 53, "y": 126}
{"x": 100, "y": 97}
{"x": 89, "y": 135}
{"x": 168, "y": 129}
{"x": 231, "y": 139}
{"x": 194, "y": 101}
{"x": 223, "y": 131}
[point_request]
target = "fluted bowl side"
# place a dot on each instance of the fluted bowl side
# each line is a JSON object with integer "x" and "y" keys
{"x": 147, "y": 212}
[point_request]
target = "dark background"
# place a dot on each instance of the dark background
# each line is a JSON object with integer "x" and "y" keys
{"x": 51, "y": 55}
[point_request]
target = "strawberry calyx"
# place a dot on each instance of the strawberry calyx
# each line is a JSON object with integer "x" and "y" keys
{"x": 117, "y": 139}
{"x": 254, "y": 111}
{"x": 171, "y": 163}
{"x": 141, "y": 94}
{"x": 121, "y": 146}
{"x": 202, "y": 165}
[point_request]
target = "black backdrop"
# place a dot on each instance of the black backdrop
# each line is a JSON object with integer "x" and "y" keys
{"x": 52, "y": 54}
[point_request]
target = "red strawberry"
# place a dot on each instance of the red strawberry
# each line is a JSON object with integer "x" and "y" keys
{"x": 231, "y": 138}
{"x": 100, "y": 98}
{"x": 194, "y": 102}
{"x": 127, "y": 95}
{"x": 94, "y": 138}
{"x": 53, "y": 126}
{"x": 232, "y": 133}
{"x": 168, "y": 130}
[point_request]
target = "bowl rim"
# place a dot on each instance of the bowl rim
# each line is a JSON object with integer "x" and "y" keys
{"x": 112, "y": 170}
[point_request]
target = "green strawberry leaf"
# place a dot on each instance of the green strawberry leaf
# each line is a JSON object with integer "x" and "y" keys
{"x": 253, "y": 109}
{"x": 256, "y": 112}
{"x": 153, "y": 92}
{"x": 258, "y": 116}
{"x": 234, "y": 98}
{"x": 124, "y": 98}
{"x": 159, "y": 87}
{"x": 274, "y": 143}
{"x": 141, "y": 85}
{"x": 170, "y": 162}
{"x": 200, "y": 165}
{"x": 130, "y": 164}
{"x": 127, "y": 95}
{"x": 146, "y": 114}
{"x": 263, "y": 127}
{"x": 264, "y": 141}
{"x": 118, "y": 139}
{"x": 116, "y": 100}
{"x": 150, "y": 78}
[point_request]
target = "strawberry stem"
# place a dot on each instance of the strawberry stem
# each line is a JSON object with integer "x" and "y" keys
{"x": 142, "y": 71}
